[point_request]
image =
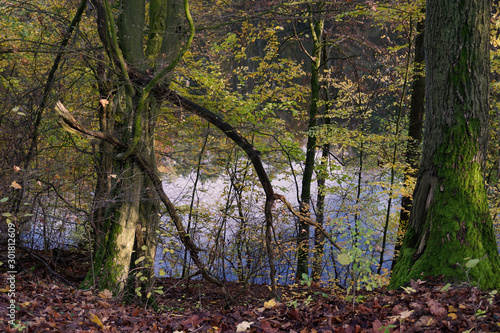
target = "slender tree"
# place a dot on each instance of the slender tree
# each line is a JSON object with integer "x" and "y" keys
{"x": 316, "y": 25}
{"x": 450, "y": 219}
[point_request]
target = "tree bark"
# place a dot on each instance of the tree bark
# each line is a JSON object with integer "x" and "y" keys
{"x": 128, "y": 220}
{"x": 450, "y": 219}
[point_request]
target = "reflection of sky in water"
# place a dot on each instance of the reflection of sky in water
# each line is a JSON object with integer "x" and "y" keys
{"x": 340, "y": 204}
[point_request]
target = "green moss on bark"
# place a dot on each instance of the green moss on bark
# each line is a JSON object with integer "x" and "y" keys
{"x": 458, "y": 224}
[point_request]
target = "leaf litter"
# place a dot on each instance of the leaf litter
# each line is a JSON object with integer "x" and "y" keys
{"x": 46, "y": 305}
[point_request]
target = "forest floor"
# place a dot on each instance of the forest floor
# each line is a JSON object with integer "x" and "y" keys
{"x": 44, "y": 302}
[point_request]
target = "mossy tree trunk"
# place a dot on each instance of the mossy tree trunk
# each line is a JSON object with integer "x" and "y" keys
{"x": 128, "y": 220}
{"x": 450, "y": 219}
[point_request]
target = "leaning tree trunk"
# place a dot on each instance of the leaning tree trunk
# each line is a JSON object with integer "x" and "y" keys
{"x": 450, "y": 219}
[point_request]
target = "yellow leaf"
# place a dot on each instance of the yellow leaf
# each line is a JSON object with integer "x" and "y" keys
{"x": 269, "y": 304}
{"x": 16, "y": 185}
{"x": 452, "y": 315}
{"x": 4, "y": 290}
{"x": 24, "y": 305}
{"x": 98, "y": 321}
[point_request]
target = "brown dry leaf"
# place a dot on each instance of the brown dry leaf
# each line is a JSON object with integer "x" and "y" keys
{"x": 425, "y": 321}
{"x": 405, "y": 314}
{"x": 294, "y": 314}
{"x": 15, "y": 185}
{"x": 436, "y": 309}
{"x": 16, "y": 168}
{"x": 103, "y": 102}
{"x": 364, "y": 310}
{"x": 103, "y": 304}
{"x": 377, "y": 326}
{"x": 266, "y": 327}
{"x": 397, "y": 309}
{"x": 105, "y": 294}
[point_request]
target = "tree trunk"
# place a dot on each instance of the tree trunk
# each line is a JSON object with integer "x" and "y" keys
{"x": 127, "y": 205}
{"x": 450, "y": 219}
{"x": 417, "y": 107}
{"x": 316, "y": 27}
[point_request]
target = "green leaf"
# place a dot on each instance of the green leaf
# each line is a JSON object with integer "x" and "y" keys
{"x": 472, "y": 263}
{"x": 139, "y": 260}
{"x": 4, "y": 199}
{"x": 344, "y": 258}
{"x": 7, "y": 214}
{"x": 445, "y": 287}
{"x": 409, "y": 290}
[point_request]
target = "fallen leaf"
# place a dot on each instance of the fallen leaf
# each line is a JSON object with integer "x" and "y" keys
{"x": 96, "y": 320}
{"x": 243, "y": 326}
{"x": 294, "y": 314}
{"x": 364, "y": 310}
{"x": 270, "y": 304}
{"x": 266, "y": 327}
{"x": 436, "y": 309}
{"x": 105, "y": 294}
{"x": 409, "y": 290}
{"x": 377, "y": 326}
{"x": 405, "y": 314}
{"x": 425, "y": 321}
